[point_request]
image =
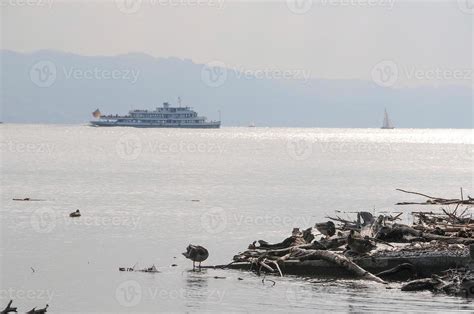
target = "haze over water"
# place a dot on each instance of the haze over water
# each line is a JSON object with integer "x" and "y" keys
{"x": 135, "y": 188}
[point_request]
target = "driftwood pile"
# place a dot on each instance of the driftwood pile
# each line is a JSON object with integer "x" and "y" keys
{"x": 432, "y": 200}
{"x": 343, "y": 241}
{"x": 151, "y": 269}
{"x": 269, "y": 260}
{"x": 459, "y": 282}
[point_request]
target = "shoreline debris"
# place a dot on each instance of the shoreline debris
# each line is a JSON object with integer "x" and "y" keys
{"x": 151, "y": 269}
{"x": 432, "y": 200}
{"x": 377, "y": 248}
{"x": 9, "y": 308}
{"x": 272, "y": 281}
{"x": 27, "y": 199}
{"x": 457, "y": 282}
{"x": 39, "y": 311}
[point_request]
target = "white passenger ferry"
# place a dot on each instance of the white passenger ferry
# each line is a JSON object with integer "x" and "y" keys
{"x": 162, "y": 117}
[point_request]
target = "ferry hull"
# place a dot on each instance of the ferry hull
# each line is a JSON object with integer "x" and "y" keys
{"x": 156, "y": 126}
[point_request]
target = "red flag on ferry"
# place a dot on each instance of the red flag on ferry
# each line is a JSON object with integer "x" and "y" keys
{"x": 96, "y": 113}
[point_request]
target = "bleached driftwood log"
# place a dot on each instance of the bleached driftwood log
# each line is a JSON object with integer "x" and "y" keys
{"x": 341, "y": 261}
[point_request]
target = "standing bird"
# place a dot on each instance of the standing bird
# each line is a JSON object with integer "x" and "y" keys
{"x": 196, "y": 253}
{"x": 326, "y": 228}
{"x": 359, "y": 245}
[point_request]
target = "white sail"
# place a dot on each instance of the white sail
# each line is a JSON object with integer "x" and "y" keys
{"x": 387, "y": 123}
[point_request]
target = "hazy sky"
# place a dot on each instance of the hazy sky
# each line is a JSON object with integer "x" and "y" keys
{"x": 430, "y": 42}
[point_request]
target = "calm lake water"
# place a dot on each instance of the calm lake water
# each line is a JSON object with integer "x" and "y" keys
{"x": 135, "y": 188}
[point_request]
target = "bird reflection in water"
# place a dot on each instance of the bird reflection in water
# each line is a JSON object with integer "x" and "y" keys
{"x": 196, "y": 288}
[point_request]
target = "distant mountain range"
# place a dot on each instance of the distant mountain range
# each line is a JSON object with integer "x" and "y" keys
{"x": 56, "y": 87}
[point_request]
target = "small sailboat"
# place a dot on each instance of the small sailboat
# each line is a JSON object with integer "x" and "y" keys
{"x": 387, "y": 123}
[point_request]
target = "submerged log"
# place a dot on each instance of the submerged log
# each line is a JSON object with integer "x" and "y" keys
{"x": 420, "y": 285}
{"x": 397, "y": 269}
{"x": 459, "y": 282}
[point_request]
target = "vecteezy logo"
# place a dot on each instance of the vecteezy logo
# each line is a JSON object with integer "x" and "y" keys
{"x": 129, "y": 147}
{"x": 214, "y": 73}
{"x": 466, "y": 6}
{"x": 214, "y": 220}
{"x": 299, "y": 149}
{"x": 43, "y": 220}
{"x": 299, "y": 6}
{"x": 128, "y": 293}
{"x": 128, "y": 6}
{"x": 385, "y": 73}
{"x": 43, "y": 73}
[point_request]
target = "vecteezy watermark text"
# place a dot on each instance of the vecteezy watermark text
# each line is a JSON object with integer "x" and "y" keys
{"x": 215, "y": 74}
{"x": 130, "y": 293}
{"x": 27, "y": 3}
{"x": 45, "y": 73}
{"x": 387, "y": 73}
{"x": 304, "y": 6}
{"x": 437, "y": 73}
{"x": 131, "y": 146}
{"x": 215, "y": 220}
{"x": 359, "y": 3}
{"x": 45, "y": 220}
{"x": 133, "y": 6}
{"x": 296, "y": 74}
{"x": 115, "y": 221}
{"x": 189, "y": 3}
{"x": 97, "y": 73}
{"x": 30, "y": 148}
{"x": 302, "y": 149}
{"x": 26, "y": 294}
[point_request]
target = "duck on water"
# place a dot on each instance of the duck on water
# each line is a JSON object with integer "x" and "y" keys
{"x": 196, "y": 253}
{"x": 77, "y": 213}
